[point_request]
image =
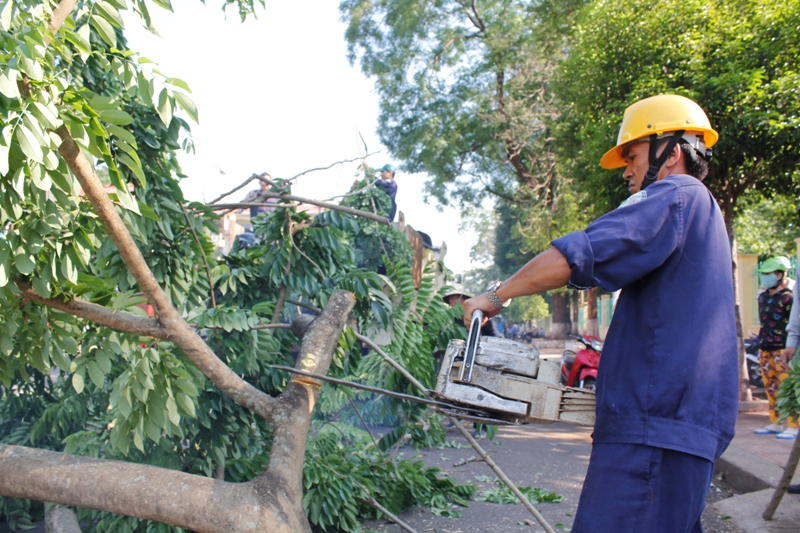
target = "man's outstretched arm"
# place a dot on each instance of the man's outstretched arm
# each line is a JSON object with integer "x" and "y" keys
{"x": 548, "y": 270}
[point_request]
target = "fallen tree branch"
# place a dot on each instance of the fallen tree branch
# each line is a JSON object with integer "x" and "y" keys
{"x": 292, "y": 198}
{"x": 111, "y": 318}
{"x": 331, "y": 165}
{"x": 151, "y": 493}
{"x": 260, "y": 177}
{"x": 503, "y": 477}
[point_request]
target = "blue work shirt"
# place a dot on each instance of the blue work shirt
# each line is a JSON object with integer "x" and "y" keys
{"x": 390, "y": 188}
{"x": 668, "y": 374}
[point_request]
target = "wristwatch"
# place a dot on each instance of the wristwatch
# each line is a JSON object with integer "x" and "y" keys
{"x": 491, "y": 292}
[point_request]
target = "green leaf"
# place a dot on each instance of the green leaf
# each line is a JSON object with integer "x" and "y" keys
{"x": 32, "y": 68}
{"x": 27, "y": 141}
{"x": 135, "y": 168}
{"x": 165, "y": 107}
{"x": 172, "y": 411}
{"x": 166, "y": 4}
{"x": 187, "y": 104}
{"x": 78, "y": 40}
{"x": 45, "y": 116}
{"x": 24, "y": 263}
{"x": 123, "y": 134}
{"x": 146, "y": 89}
{"x": 8, "y": 82}
{"x": 179, "y": 83}
{"x": 116, "y": 116}
{"x": 146, "y": 212}
{"x": 105, "y": 30}
{"x": 109, "y": 13}
{"x": 96, "y": 375}
{"x": 68, "y": 269}
{"x": 41, "y": 287}
{"x": 6, "y": 13}
{"x": 5, "y": 269}
{"x": 186, "y": 404}
{"x": 78, "y": 382}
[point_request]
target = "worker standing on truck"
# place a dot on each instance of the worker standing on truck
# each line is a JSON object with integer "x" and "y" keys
{"x": 667, "y": 388}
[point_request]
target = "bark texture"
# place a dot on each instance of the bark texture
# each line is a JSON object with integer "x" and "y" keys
{"x": 271, "y": 503}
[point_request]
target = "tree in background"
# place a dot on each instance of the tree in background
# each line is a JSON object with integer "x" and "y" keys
{"x": 465, "y": 96}
{"x": 739, "y": 62}
{"x": 767, "y": 226}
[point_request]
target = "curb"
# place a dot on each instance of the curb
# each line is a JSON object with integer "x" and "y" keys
{"x": 747, "y": 472}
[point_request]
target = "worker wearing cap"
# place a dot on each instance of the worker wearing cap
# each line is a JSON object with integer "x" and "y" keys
{"x": 387, "y": 184}
{"x": 667, "y": 387}
{"x": 458, "y": 295}
{"x": 774, "y": 307}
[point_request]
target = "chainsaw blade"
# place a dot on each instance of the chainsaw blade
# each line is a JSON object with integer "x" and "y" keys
{"x": 473, "y": 415}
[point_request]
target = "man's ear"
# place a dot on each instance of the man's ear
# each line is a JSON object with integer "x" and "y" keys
{"x": 675, "y": 158}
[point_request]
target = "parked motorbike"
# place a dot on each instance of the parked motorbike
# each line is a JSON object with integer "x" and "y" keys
{"x": 579, "y": 369}
{"x": 754, "y": 375}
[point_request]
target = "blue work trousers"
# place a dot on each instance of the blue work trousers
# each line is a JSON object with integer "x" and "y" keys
{"x": 636, "y": 488}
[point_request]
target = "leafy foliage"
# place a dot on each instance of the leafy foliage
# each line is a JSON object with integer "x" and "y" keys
{"x": 504, "y": 495}
{"x": 346, "y": 471}
{"x": 372, "y": 241}
{"x": 738, "y": 61}
{"x": 788, "y": 398}
{"x": 767, "y": 226}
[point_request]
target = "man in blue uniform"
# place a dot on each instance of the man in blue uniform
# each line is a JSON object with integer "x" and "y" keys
{"x": 388, "y": 185}
{"x": 667, "y": 386}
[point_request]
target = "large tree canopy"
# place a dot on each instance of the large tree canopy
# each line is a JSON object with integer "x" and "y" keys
{"x": 463, "y": 89}
{"x": 737, "y": 60}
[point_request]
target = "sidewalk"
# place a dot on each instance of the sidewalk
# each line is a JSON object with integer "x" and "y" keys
{"x": 753, "y": 464}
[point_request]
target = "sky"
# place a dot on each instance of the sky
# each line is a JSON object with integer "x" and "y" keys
{"x": 278, "y": 95}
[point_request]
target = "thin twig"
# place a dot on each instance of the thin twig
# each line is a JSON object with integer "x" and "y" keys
{"x": 310, "y": 307}
{"x": 203, "y": 253}
{"x": 321, "y": 273}
{"x": 503, "y": 477}
{"x": 330, "y": 166}
{"x": 353, "y": 193}
{"x": 260, "y": 177}
{"x": 353, "y": 405}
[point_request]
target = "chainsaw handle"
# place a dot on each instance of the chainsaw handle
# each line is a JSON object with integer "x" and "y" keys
{"x": 473, "y": 340}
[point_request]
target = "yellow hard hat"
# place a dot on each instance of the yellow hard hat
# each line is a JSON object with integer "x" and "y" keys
{"x": 659, "y": 115}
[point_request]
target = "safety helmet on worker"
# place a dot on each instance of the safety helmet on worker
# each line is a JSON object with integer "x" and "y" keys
{"x": 661, "y": 116}
{"x": 776, "y": 263}
{"x": 456, "y": 289}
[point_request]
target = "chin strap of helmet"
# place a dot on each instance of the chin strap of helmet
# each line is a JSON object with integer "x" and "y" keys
{"x": 656, "y": 162}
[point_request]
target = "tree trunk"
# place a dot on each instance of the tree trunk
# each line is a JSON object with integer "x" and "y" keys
{"x": 591, "y": 327}
{"x": 745, "y": 394}
{"x": 270, "y": 503}
{"x": 561, "y": 323}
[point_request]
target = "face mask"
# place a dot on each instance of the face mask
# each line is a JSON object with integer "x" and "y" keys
{"x": 769, "y": 280}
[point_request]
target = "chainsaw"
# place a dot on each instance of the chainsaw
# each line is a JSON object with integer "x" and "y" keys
{"x": 491, "y": 380}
